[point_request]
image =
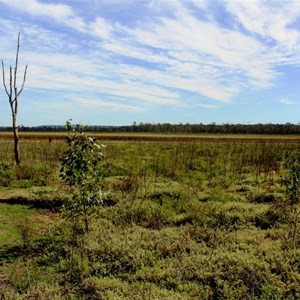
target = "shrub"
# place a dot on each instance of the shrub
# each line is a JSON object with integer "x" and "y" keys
{"x": 82, "y": 171}
{"x": 264, "y": 198}
{"x": 271, "y": 217}
{"x": 7, "y": 174}
{"x": 292, "y": 179}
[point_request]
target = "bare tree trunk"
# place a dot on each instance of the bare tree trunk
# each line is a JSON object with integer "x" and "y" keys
{"x": 13, "y": 97}
{"x": 16, "y": 140}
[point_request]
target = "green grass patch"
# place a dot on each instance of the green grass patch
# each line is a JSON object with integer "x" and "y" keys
{"x": 19, "y": 222}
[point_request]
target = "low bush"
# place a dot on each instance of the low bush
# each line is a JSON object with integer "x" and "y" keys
{"x": 275, "y": 215}
{"x": 264, "y": 198}
{"x": 7, "y": 174}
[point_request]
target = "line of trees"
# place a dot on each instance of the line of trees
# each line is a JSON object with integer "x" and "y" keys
{"x": 227, "y": 128}
{"x": 287, "y": 128}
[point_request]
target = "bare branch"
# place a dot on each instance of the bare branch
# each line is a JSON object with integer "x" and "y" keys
{"x": 10, "y": 84}
{"x": 3, "y": 77}
{"x": 24, "y": 79}
{"x": 16, "y": 66}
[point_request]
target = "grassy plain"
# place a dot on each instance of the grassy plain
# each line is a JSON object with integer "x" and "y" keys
{"x": 187, "y": 217}
{"x": 159, "y": 137}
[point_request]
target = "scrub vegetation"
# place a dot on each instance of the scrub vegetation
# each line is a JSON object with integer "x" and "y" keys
{"x": 160, "y": 219}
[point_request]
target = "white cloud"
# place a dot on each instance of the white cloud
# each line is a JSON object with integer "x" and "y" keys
{"x": 287, "y": 101}
{"x": 205, "y": 105}
{"x": 203, "y": 4}
{"x": 98, "y": 103}
{"x": 187, "y": 48}
{"x": 74, "y": 73}
{"x": 34, "y": 7}
{"x": 269, "y": 19}
{"x": 101, "y": 28}
{"x": 61, "y": 13}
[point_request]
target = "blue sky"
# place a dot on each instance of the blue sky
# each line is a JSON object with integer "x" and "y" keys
{"x": 113, "y": 62}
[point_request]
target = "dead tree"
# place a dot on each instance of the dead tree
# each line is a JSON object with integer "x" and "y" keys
{"x": 13, "y": 96}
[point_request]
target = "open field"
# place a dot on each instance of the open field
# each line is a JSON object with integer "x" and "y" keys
{"x": 160, "y": 137}
{"x": 185, "y": 217}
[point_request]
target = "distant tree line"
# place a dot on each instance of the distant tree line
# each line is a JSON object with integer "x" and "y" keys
{"x": 287, "y": 128}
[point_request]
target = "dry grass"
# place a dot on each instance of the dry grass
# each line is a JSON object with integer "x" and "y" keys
{"x": 161, "y": 137}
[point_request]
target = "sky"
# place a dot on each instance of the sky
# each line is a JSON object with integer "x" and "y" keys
{"x": 115, "y": 62}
